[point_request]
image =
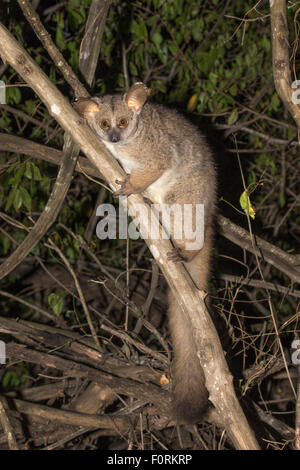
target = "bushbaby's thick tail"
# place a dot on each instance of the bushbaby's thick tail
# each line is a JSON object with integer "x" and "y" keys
{"x": 190, "y": 396}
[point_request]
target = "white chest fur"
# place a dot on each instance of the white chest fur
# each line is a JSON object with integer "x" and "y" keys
{"x": 126, "y": 162}
{"x": 156, "y": 191}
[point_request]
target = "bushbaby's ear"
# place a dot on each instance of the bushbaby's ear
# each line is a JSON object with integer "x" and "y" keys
{"x": 86, "y": 107}
{"x": 137, "y": 96}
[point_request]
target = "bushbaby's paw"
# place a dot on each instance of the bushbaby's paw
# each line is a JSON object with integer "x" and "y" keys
{"x": 126, "y": 189}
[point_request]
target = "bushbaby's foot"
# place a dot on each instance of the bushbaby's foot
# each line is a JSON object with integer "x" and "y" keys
{"x": 126, "y": 189}
{"x": 176, "y": 256}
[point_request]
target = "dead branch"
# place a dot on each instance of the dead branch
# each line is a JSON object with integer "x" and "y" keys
{"x": 4, "y": 419}
{"x": 74, "y": 345}
{"x": 13, "y": 143}
{"x": 281, "y": 60}
{"x": 92, "y": 39}
{"x": 285, "y": 262}
{"x": 42, "y": 311}
{"x": 245, "y": 281}
{"x": 148, "y": 393}
{"x": 121, "y": 425}
{"x": 280, "y": 427}
{"x": 25, "y": 117}
{"x": 58, "y": 59}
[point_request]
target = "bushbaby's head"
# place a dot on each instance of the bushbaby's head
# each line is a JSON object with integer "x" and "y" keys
{"x": 114, "y": 117}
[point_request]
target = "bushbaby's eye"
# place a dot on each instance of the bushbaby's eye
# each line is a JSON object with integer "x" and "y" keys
{"x": 123, "y": 123}
{"x": 104, "y": 124}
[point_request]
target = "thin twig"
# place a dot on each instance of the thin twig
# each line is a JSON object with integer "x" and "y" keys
{"x": 52, "y": 245}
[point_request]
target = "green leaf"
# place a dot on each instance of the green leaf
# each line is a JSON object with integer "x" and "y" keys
{"x": 28, "y": 170}
{"x": 32, "y": 171}
{"x": 265, "y": 42}
{"x": 275, "y": 102}
{"x": 157, "y": 38}
{"x": 197, "y": 29}
{"x": 172, "y": 48}
{"x": 133, "y": 69}
{"x": 246, "y": 205}
{"x": 213, "y": 77}
{"x": 233, "y": 90}
{"x": 233, "y": 117}
{"x": 10, "y": 199}
{"x": 6, "y": 244}
{"x": 26, "y": 199}
{"x": 13, "y": 379}
{"x": 157, "y": 4}
{"x": 36, "y": 173}
{"x": 281, "y": 200}
{"x": 13, "y": 95}
{"x": 139, "y": 29}
{"x": 17, "y": 202}
{"x": 77, "y": 17}
{"x": 19, "y": 174}
{"x": 55, "y": 302}
{"x": 70, "y": 254}
{"x": 60, "y": 39}
{"x": 163, "y": 53}
{"x": 69, "y": 313}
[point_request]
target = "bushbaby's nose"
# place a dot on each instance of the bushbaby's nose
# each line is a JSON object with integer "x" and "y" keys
{"x": 114, "y": 137}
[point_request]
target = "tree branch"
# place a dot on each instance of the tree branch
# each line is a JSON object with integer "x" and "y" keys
{"x": 283, "y": 261}
{"x": 13, "y": 143}
{"x": 57, "y": 57}
{"x": 92, "y": 39}
{"x": 149, "y": 393}
{"x": 281, "y": 62}
{"x": 4, "y": 419}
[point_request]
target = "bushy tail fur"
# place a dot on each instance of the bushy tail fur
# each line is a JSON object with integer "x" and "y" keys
{"x": 190, "y": 396}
